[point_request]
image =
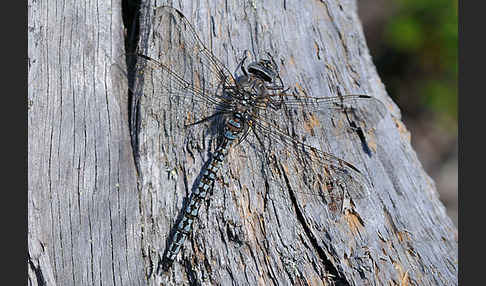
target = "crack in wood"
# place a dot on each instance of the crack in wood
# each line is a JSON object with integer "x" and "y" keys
{"x": 37, "y": 271}
{"x": 339, "y": 278}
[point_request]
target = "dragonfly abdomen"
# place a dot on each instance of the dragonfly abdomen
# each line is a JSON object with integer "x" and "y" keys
{"x": 232, "y": 131}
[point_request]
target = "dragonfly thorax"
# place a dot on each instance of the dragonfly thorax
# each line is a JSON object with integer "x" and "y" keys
{"x": 244, "y": 108}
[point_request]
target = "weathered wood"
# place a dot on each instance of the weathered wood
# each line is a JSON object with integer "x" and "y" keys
{"x": 258, "y": 229}
{"x": 83, "y": 215}
{"x": 89, "y": 225}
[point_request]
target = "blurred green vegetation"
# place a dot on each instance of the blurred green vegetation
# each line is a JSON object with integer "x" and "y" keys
{"x": 418, "y": 58}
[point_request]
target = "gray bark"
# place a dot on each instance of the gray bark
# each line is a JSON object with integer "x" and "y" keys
{"x": 83, "y": 215}
{"x": 89, "y": 224}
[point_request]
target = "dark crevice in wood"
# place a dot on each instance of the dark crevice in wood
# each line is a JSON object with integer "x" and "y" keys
{"x": 38, "y": 273}
{"x": 113, "y": 268}
{"x": 272, "y": 275}
{"x": 340, "y": 279}
{"x": 338, "y": 30}
{"x": 360, "y": 133}
{"x": 131, "y": 19}
{"x": 207, "y": 265}
{"x": 230, "y": 273}
{"x": 266, "y": 197}
{"x": 191, "y": 274}
{"x": 150, "y": 268}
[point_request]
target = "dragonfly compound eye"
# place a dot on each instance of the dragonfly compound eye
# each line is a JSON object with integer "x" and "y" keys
{"x": 263, "y": 69}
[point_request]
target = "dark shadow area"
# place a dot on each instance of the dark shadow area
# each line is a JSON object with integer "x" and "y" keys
{"x": 131, "y": 21}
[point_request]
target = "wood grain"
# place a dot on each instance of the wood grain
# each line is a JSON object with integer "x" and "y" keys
{"x": 84, "y": 219}
{"x": 91, "y": 224}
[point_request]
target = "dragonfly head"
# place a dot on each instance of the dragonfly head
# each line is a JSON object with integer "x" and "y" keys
{"x": 264, "y": 69}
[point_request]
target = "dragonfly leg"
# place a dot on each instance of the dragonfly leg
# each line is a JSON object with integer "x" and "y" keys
{"x": 241, "y": 64}
{"x": 277, "y": 104}
{"x": 205, "y": 119}
{"x": 275, "y": 86}
{"x": 244, "y": 133}
{"x": 273, "y": 61}
{"x": 280, "y": 86}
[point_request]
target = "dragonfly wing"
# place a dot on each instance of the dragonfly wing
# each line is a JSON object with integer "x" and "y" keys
{"x": 365, "y": 109}
{"x": 180, "y": 67}
{"x": 178, "y": 34}
{"x": 335, "y": 170}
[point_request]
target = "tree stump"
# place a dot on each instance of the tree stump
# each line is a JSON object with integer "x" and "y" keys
{"x": 91, "y": 224}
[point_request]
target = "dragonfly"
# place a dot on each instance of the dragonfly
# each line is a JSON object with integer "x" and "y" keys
{"x": 249, "y": 106}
